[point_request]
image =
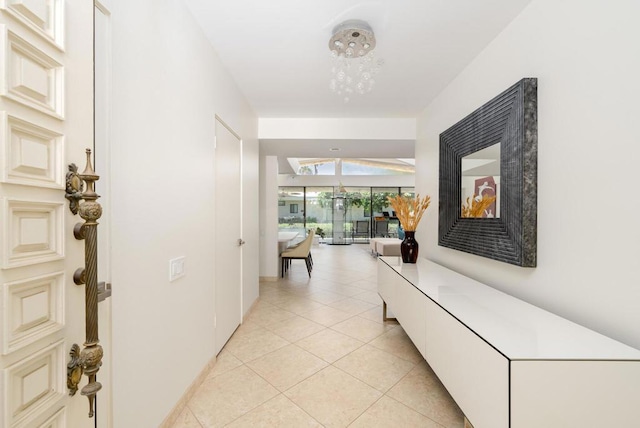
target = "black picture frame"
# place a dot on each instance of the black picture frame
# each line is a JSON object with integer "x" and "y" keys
{"x": 510, "y": 119}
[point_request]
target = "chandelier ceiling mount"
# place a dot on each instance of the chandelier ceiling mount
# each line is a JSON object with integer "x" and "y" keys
{"x": 352, "y": 38}
{"x": 354, "y": 62}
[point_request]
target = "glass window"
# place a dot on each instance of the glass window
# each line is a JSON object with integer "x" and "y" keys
{"x": 319, "y": 210}
{"x": 379, "y": 202}
{"x": 303, "y": 208}
{"x": 290, "y": 214}
{"x": 385, "y": 223}
{"x": 408, "y": 191}
{"x": 376, "y": 167}
{"x": 359, "y": 199}
{"x": 317, "y": 167}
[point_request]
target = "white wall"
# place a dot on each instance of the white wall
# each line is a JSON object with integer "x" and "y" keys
{"x": 268, "y": 217}
{"x": 338, "y": 128}
{"x": 585, "y": 55}
{"x": 168, "y": 85}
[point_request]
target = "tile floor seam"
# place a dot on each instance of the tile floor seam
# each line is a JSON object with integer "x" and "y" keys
{"x": 284, "y": 309}
{"x": 413, "y": 410}
{"x": 357, "y": 380}
{"x": 194, "y": 415}
{"x": 372, "y": 386}
{"x": 331, "y": 363}
{"x": 272, "y": 398}
{"x": 260, "y": 404}
{"x": 303, "y": 410}
{"x": 400, "y": 380}
{"x": 302, "y": 349}
{"x": 350, "y": 316}
{"x": 344, "y": 284}
{"x": 255, "y": 358}
{"x": 366, "y": 410}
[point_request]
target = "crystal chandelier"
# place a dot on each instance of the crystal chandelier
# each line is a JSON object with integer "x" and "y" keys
{"x": 354, "y": 62}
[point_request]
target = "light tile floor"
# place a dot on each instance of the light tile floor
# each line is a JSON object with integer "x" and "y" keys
{"x": 315, "y": 352}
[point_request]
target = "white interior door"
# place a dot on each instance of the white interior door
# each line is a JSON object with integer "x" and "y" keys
{"x": 102, "y": 103}
{"x": 46, "y": 122}
{"x": 228, "y": 233}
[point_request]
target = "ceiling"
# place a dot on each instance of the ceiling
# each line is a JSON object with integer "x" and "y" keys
{"x": 277, "y": 50}
{"x": 278, "y": 53}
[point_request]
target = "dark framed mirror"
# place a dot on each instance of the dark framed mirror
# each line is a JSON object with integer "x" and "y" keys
{"x": 489, "y": 208}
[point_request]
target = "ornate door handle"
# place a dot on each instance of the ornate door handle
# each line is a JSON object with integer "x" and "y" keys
{"x": 89, "y": 359}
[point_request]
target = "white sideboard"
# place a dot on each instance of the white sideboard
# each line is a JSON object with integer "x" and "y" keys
{"x": 509, "y": 364}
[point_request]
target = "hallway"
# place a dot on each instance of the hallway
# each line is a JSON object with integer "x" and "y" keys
{"x": 314, "y": 352}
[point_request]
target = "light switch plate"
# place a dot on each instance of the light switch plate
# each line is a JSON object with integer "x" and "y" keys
{"x": 176, "y": 268}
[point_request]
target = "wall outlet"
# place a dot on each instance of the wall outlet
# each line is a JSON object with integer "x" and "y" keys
{"x": 176, "y": 268}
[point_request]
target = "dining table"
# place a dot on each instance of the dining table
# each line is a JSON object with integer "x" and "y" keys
{"x": 284, "y": 239}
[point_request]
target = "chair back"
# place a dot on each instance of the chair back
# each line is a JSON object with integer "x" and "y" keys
{"x": 309, "y": 239}
{"x": 301, "y": 250}
{"x": 362, "y": 226}
{"x": 382, "y": 227}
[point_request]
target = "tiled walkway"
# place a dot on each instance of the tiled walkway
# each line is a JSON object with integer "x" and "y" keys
{"x": 315, "y": 352}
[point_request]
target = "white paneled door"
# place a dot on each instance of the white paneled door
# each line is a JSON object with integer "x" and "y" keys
{"x": 228, "y": 233}
{"x": 46, "y": 122}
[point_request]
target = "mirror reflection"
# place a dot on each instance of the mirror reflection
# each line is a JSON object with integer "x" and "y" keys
{"x": 480, "y": 186}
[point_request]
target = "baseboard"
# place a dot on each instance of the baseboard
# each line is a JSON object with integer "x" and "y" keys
{"x": 171, "y": 419}
{"x": 253, "y": 305}
{"x": 269, "y": 279}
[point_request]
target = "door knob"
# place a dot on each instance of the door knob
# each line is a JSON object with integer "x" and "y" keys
{"x": 240, "y": 242}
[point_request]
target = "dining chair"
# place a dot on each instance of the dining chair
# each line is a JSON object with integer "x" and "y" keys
{"x": 302, "y": 251}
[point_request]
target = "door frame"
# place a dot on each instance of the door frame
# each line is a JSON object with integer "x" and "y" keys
{"x": 102, "y": 162}
{"x": 220, "y": 121}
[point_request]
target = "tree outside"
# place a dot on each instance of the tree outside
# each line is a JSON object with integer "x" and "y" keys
{"x": 362, "y": 205}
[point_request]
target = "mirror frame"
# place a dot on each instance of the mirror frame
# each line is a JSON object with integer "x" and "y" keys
{"x": 510, "y": 119}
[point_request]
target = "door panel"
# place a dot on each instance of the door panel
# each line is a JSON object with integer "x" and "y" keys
{"x": 228, "y": 254}
{"x": 46, "y": 122}
{"x": 102, "y": 60}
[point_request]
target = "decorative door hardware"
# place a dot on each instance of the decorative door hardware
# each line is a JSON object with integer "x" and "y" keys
{"x": 89, "y": 360}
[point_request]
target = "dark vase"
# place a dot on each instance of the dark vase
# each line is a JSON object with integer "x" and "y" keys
{"x": 409, "y": 247}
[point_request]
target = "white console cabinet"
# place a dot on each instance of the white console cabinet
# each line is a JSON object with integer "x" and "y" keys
{"x": 509, "y": 364}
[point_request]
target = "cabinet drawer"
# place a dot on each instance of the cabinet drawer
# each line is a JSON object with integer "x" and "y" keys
{"x": 388, "y": 281}
{"x": 568, "y": 391}
{"x": 410, "y": 309}
{"x": 475, "y": 374}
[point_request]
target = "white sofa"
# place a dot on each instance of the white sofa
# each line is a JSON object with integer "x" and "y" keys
{"x": 385, "y": 246}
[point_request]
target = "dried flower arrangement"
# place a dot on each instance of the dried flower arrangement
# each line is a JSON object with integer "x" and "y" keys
{"x": 409, "y": 210}
{"x": 474, "y": 208}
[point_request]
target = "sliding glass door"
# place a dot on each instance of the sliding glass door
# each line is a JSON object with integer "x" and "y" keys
{"x": 318, "y": 210}
{"x": 291, "y": 210}
{"x": 370, "y": 215}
